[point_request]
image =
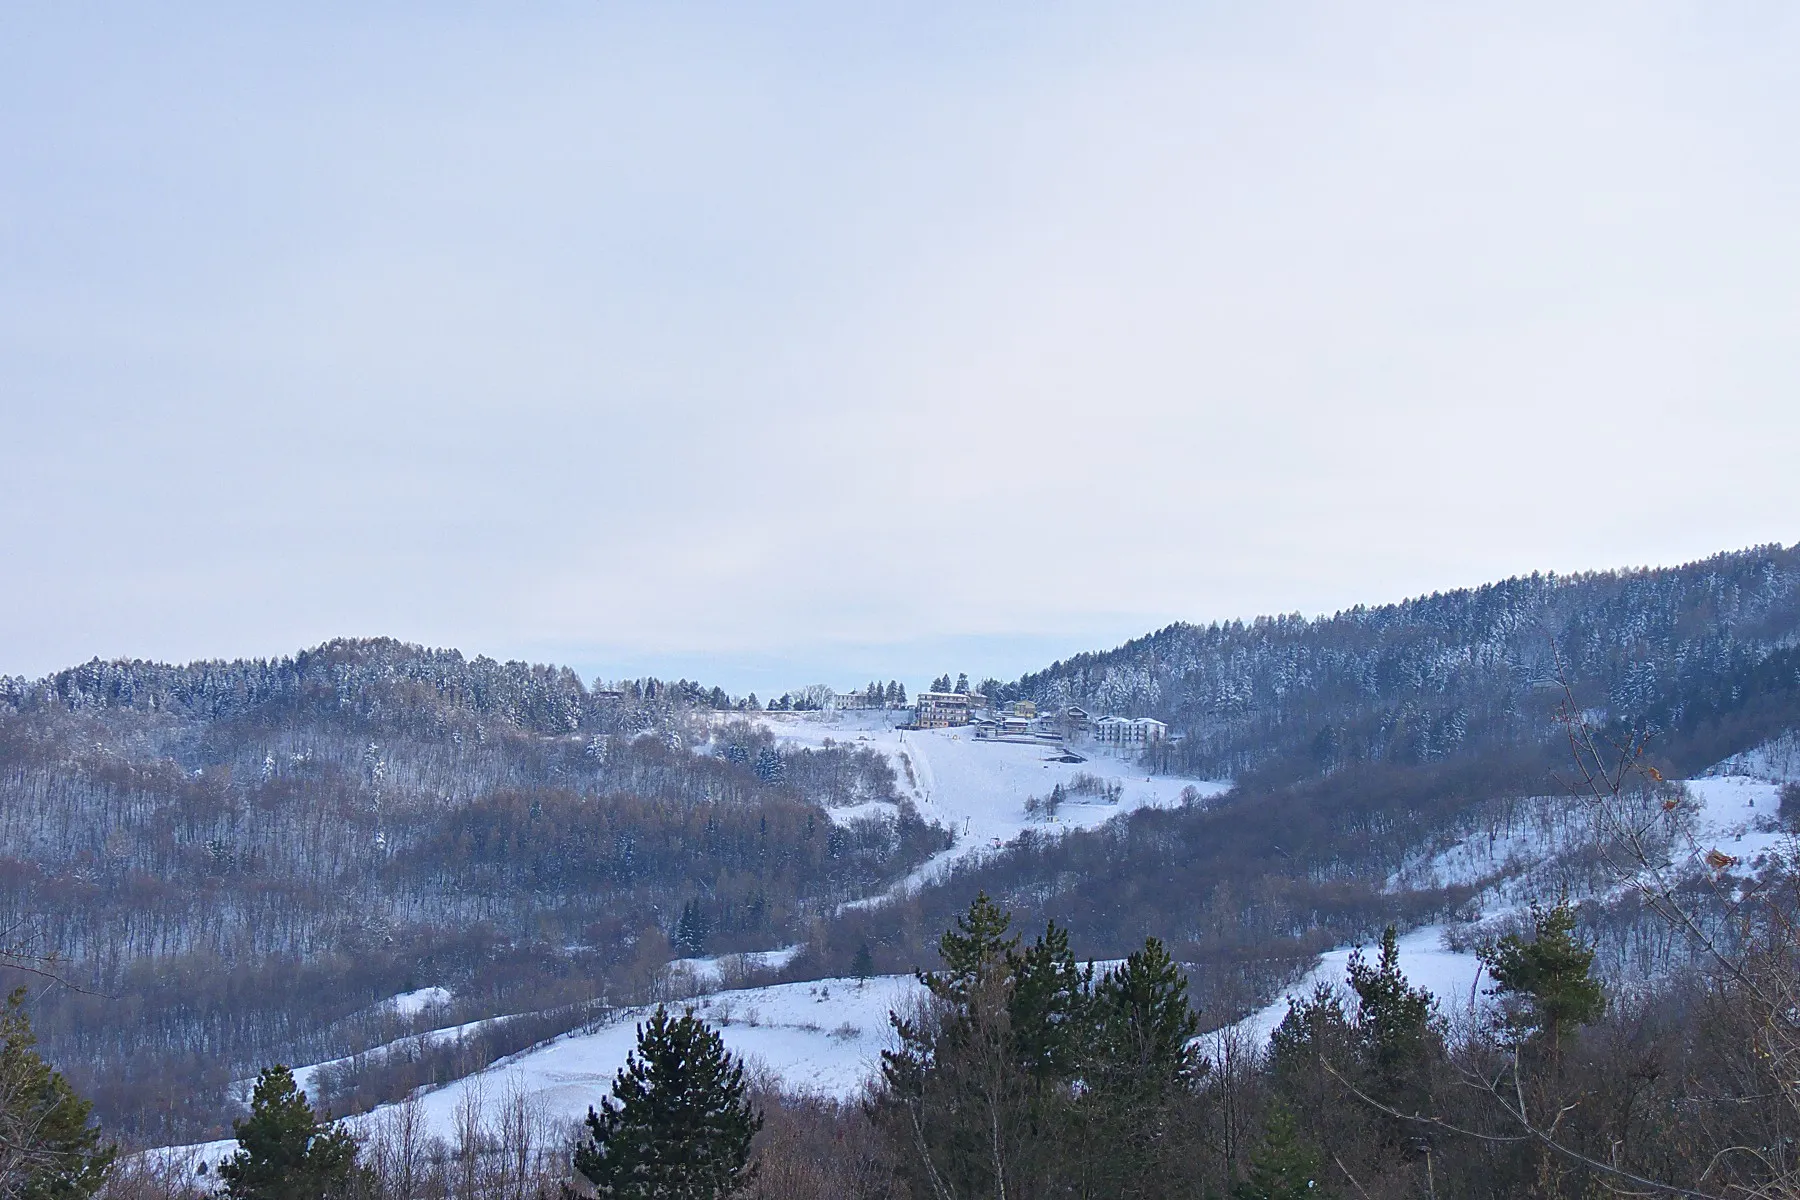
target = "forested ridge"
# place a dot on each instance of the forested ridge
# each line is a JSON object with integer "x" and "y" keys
{"x": 1454, "y": 672}
{"x": 236, "y": 860}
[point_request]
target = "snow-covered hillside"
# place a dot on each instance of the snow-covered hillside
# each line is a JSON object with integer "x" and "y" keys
{"x": 1728, "y": 819}
{"x": 820, "y": 1038}
{"x": 977, "y": 788}
{"x": 825, "y": 1037}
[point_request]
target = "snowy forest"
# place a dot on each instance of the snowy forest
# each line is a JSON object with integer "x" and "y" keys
{"x": 1700, "y": 655}
{"x": 228, "y": 865}
{"x": 234, "y": 861}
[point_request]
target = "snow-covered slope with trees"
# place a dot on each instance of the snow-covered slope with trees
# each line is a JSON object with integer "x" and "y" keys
{"x": 984, "y": 791}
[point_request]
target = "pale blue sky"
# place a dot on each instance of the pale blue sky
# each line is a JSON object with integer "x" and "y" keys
{"x": 771, "y": 344}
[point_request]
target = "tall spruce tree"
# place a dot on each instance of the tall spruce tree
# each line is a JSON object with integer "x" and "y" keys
{"x": 679, "y": 1123}
{"x": 955, "y": 1092}
{"x": 48, "y": 1149}
{"x": 977, "y": 946}
{"x": 691, "y": 930}
{"x": 1137, "y": 1073}
{"x": 284, "y": 1151}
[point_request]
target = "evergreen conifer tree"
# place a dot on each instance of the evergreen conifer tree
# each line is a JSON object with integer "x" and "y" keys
{"x": 1397, "y": 1023}
{"x": 954, "y": 1087}
{"x": 48, "y": 1150}
{"x": 284, "y": 1152}
{"x": 1050, "y": 1002}
{"x": 977, "y": 945}
{"x": 1549, "y": 979}
{"x": 863, "y": 964}
{"x": 691, "y": 930}
{"x": 679, "y": 1123}
{"x": 1145, "y": 1023}
{"x": 1284, "y": 1167}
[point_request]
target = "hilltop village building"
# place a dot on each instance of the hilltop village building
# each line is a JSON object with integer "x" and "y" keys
{"x": 941, "y": 710}
{"x": 1021, "y": 719}
{"x": 1129, "y": 731}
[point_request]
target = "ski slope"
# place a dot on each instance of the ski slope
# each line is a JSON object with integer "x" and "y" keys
{"x": 977, "y": 788}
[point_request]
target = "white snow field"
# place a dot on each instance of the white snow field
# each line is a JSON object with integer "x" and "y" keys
{"x": 821, "y": 1038}
{"x": 1453, "y": 977}
{"x": 305, "y": 1077}
{"x": 978, "y": 788}
{"x": 411, "y": 1004}
{"x": 715, "y": 971}
{"x": 1737, "y": 816}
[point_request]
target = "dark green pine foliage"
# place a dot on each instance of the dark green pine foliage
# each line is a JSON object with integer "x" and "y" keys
{"x": 1549, "y": 980}
{"x": 971, "y": 951}
{"x": 955, "y": 1093}
{"x": 1311, "y": 1051}
{"x": 50, "y": 1152}
{"x": 1049, "y": 1006}
{"x": 679, "y": 1123}
{"x": 284, "y": 1152}
{"x": 1145, "y": 1024}
{"x": 1137, "y": 1068}
{"x": 1398, "y": 1026}
{"x": 1284, "y": 1167}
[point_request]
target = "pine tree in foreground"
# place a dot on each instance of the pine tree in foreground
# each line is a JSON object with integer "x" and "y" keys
{"x": 284, "y": 1152}
{"x": 1284, "y": 1167}
{"x": 678, "y": 1125}
{"x": 48, "y": 1151}
{"x": 1548, "y": 982}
